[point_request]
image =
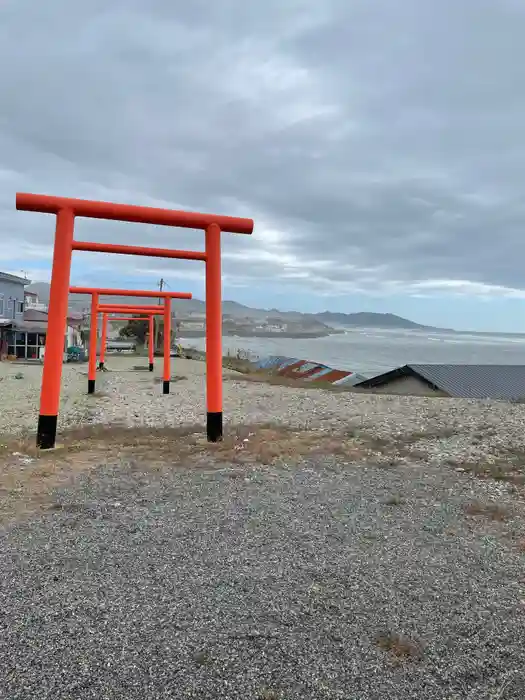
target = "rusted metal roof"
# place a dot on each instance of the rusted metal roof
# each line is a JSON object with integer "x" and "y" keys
{"x": 305, "y": 370}
{"x": 505, "y": 382}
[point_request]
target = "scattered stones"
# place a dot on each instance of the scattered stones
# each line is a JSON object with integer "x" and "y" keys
{"x": 458, "y": 433}
{"x": 391, "y": 577}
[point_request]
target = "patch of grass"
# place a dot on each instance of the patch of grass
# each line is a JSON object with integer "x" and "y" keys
{"x": 84, "y": 448}
{"x": 493, "y": 511}
{"x": 393, "y": 501}
{"x": 421, "y": 435}
{"x": 265, "y": 377}
{"x": 378, "y": 444}
{"x": 173, "y": 378}
{"x": 237, "y": 364}
{"x": 395, "y": 449}
{"x": 270, "y": 444}
{"x": 399, "y": 646}
{"x": 386, "y": 462}
{"x": 201, "y": 658}
{"x": 67, "y": 507}
{"x": 268, "y": 694}
{"x": 499, "y": 470}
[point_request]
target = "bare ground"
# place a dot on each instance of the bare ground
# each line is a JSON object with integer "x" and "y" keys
{"x": 364, "y": 552}
{"x": 278, "y": 564}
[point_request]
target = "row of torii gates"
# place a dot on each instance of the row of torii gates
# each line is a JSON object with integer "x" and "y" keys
{"x": 66, "y": 210}
{"x": 148, "y": 311}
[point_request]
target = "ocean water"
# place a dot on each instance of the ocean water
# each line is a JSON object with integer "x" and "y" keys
{"x": 372, "y": 351}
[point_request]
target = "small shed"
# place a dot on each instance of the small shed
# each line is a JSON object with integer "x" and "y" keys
{"x": 503, "y": 382}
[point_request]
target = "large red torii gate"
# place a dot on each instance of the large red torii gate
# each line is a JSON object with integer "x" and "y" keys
{"x": 66, "y": 210}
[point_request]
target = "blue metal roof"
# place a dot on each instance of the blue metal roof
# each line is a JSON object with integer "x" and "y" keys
{"x": 506, "y": 382}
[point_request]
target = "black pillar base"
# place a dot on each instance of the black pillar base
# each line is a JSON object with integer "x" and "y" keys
{"x": 151, "y": 366}
{"x": 101, "y": 365}
{"x": 91, "y": 386}
{"x": 166, "y": 387}
{"x": 214, "y": 426}
{"x": 46, "y": 432}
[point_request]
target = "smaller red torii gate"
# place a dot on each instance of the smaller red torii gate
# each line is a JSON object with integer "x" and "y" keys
{"x": 97, "y": 307}
{"x": 150, "y": 312}
{"x": 151, "y": 331}
{"x": 103, "y": 339}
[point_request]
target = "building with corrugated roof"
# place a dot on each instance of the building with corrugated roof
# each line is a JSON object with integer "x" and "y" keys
{"x": 503, "y": 382}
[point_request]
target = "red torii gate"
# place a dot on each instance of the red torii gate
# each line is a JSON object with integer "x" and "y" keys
{"x": 151, "y": 311}
{"x": 105, "y": 310}
{"x": 148, "y": 317}
{"x": 96, "y": 307}
{"x": 66, "y": 210}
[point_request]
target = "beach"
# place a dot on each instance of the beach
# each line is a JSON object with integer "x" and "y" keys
{"x": 334, "y": 545}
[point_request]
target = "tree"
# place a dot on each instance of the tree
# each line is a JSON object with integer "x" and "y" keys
{"x": 137, "y": 328}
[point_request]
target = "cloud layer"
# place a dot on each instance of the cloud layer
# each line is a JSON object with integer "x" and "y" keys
{"x": 378, "y": 145}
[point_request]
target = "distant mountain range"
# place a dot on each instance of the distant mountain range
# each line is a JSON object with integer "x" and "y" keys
{"x": 235, "y": 310}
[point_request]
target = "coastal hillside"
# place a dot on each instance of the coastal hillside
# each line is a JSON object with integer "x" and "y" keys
{"x": 368, "y": 320}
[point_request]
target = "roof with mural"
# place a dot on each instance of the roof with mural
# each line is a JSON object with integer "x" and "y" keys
{"x": 306, "y": 370}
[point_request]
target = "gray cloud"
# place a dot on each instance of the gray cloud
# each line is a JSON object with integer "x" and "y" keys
{"x": 378, "y": 145}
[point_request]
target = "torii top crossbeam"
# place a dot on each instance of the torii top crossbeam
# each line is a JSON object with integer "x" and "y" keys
{"x": 48, "y": 204}
{"x": 146, "y": 293}
{"x": 112, "y": 308}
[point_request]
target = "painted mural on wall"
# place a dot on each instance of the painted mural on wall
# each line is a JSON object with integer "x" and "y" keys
{"x": 305, "y": 370}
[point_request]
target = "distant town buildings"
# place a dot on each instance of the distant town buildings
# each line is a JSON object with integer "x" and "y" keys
{"x": 23, "y": 321}
{"x": 195, "y": 324}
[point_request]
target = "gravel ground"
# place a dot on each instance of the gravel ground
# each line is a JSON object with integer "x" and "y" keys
{"x": 327, "y": 576}
{"x": 440, "y": 430}
{"x": 313, "y": 582}
{"x": 447, "y": 430}
{"x": 20, "y": 394}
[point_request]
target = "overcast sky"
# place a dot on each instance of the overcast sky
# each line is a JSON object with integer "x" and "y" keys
{"x": 379, "y": 145}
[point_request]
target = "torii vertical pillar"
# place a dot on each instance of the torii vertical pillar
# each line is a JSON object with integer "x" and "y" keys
{"x": 93, "y": 331}
{"x": 213, "y": 334}
{"x": 151, "y": 342}
{"x": 56, "y": 330}
{"x": 103, "y": 341}
{"x": 167, "y": 346}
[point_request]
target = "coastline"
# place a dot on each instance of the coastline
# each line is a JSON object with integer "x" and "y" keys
{"x": 289, "y": 370}
{"x": 263, "y": 334}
